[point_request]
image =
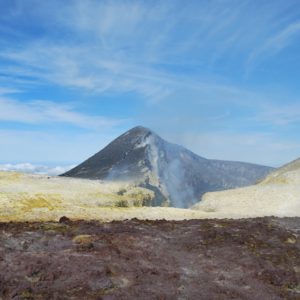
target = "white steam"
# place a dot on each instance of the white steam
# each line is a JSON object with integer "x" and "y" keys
{"x": 169, "y": 171}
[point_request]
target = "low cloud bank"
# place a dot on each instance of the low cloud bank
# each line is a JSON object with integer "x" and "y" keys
{"x": 36, "y": 169}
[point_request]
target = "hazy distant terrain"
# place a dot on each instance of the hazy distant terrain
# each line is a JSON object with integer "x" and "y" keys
{"x": 177, "y": 176}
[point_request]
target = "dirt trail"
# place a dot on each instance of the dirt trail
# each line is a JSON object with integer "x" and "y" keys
{"x": 196, "y": 259}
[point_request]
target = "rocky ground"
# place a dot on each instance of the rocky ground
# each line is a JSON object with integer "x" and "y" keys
{"x": 196, "y": 259}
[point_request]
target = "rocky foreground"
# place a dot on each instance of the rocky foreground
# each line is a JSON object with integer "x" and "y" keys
{"x": 196, "y": 259}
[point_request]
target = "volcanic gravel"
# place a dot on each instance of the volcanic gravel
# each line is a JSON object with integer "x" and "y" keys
{"x": 196, "y": 259}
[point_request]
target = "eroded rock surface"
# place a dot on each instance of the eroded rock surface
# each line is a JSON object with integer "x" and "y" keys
{"x": 195, "y": 259}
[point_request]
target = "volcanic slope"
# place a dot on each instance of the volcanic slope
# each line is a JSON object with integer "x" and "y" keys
{"x": 177, "y": 176}
{"x": 278, "y": 195}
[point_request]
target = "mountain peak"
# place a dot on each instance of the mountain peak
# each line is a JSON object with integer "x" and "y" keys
{"x": 176, "y": 175}
{"x": 140, "y": 128}
{"x": 138, "y": 131}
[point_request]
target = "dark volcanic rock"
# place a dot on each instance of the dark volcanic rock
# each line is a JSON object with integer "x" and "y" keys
{"x": 171, "y": 171}
{"x": 197, "y": 259}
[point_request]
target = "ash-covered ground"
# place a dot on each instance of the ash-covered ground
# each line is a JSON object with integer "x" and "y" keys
{"x": 196, "y": 259}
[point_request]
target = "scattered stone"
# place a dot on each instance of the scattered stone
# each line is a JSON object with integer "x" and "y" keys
{"x": 64, "y": 219}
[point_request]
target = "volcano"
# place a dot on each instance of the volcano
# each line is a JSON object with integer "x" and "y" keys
{"x": 177, "y": 176}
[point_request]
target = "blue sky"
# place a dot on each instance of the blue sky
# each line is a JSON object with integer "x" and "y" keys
{"x": 219, "y": 77}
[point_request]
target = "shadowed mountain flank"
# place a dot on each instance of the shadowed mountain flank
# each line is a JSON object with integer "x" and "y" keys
{"x": 177, "y": 176}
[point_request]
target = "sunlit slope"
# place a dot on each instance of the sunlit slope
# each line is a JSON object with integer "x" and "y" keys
{"x": 35, "y": 197}
{"x": 287, "y": 174}
{"x": 23, "y": 195}
{"x": 278, "y": 194}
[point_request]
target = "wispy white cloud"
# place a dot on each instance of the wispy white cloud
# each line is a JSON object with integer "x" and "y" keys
{"x": 187, "y": 59}
{"x": 6, "y": 91}
{"x": 132, "y": 45}
{"x": 39, "y": 112}
{"x": 82, "y": 68}
{"x": 278, "y": 114}
{"x": 275, "y": 43}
